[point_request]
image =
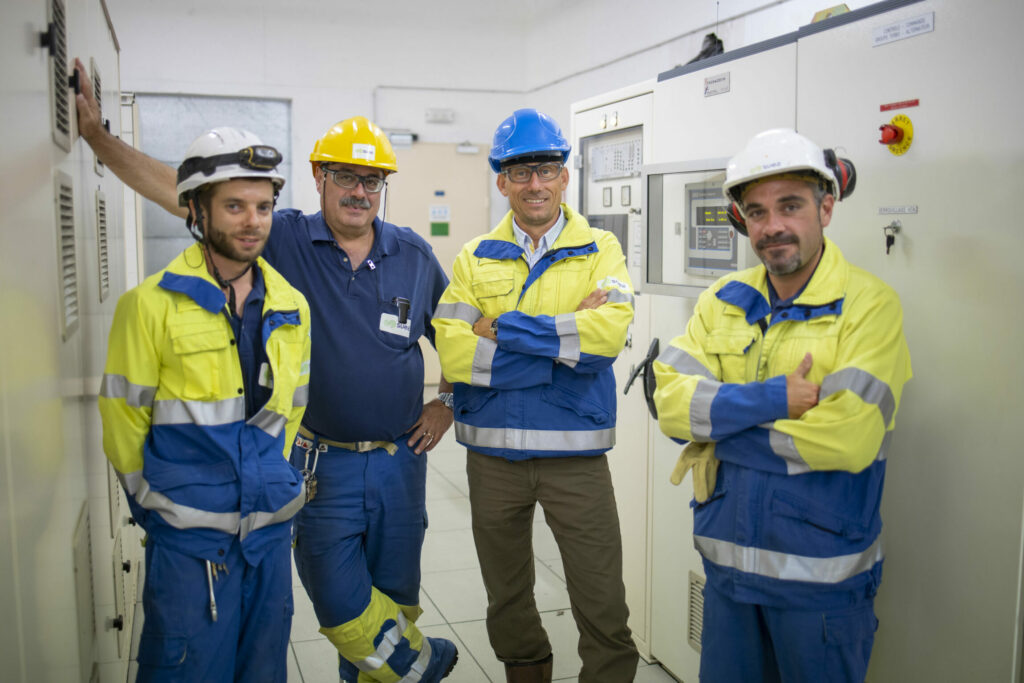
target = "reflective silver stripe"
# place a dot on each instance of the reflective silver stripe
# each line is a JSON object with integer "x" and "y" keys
{"x": 883, "y": 451}
{"x": 535, "y": 439}
{"x": 864, "y": 384}
{"x": 301, "y": 396}
{"x": 206, "y": 413}
{"x": 787, "y": 567}
{"x": 568, "y": 339}
{"x": 783, "y": 446}
{"x": 135, "y": 395}
{"x": 260, "y": 519}
{"x": 700, "y": 409}
{"x": 186, "y": 517}
{"x": 483, "y": 359}
{"x": 389, "y": 642}
{"x": 703, "y": 395}
{"x": 616, "y": 296}
{"x": 269, "y": 421}
{"x": 178, "y": 516}
{"x": 684, "y": 363}
{"x": 458, "y": 311}
{"x": 419, "y": 667}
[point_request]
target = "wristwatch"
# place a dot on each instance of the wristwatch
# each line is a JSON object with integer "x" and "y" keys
{"x": 447, "y": 398}
{"x": 494, "y": 327}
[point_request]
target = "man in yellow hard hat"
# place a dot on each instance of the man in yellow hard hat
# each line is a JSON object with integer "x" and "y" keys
{"x": 372, "y": 288}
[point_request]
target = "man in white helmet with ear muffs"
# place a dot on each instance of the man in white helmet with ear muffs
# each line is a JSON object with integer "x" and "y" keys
{"x": 205, "y": 385}
{"x": 786, "y": 385}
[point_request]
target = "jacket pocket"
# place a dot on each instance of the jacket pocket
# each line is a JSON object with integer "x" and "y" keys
{"x": 496, "y": 287}
{"x": 795, "y": 507}
{"x": 592, "y": 411}
{"x": 730, "y": 350}
{"x": 166, "y": 475}
{"x": 162, "y": 651}
{"x": 200, "y": 349}
{"x": 473, "y": 399}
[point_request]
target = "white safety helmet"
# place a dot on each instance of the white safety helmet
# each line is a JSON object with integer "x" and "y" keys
{"x": 223, "y": 154}
{"x": 780, "y": 151}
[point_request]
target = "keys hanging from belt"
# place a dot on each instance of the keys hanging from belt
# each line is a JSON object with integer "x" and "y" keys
{"x": 309, "y": 473}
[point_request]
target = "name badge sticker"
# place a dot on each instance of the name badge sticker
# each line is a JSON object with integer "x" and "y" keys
{"x": 389, "y": 323}
{"x": 362, "y": 151}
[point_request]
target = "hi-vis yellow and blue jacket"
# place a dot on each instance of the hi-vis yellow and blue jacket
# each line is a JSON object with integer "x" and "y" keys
{"x": 793, "y": 520}
{"x": 197, "y": 473}
{"x": 546, "y": 388}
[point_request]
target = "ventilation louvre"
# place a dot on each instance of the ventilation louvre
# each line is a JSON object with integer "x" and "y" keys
{"x": 695, "y": 617}
{"x": 85, "y": 607}
{"x": 97, "y": 91}
{"x": 60, "y": 113}
{"x": 102, "y": 247}
{"x": 66, "y": 259}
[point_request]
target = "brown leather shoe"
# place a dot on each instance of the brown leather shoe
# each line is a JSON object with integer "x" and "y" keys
{"x": 529, "y": 672}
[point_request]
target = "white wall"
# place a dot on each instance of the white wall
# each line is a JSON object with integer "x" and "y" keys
{"x": 391, "y": 61}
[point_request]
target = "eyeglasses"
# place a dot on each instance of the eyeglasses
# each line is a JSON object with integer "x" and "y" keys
{"x": 522, "y": 173}
{"x": 348, "y": 180}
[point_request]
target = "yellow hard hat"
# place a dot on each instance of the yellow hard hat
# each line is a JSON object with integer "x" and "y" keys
{"x": 355, "y": 141}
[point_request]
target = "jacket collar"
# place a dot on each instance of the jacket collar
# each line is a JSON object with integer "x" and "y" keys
{"x": 823, "y": 293}
{"x": 575, "y": 233}
{"x": 187, "y": 275}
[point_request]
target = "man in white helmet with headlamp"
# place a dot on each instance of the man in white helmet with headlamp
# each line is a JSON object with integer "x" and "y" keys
{"x": 205, "y": 386}
{"x": 372, "y": 288}
{"x": 786, "y": 385}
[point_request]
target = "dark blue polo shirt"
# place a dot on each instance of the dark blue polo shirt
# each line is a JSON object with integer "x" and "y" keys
{"x": 252, "y": 352}
{"x": 366, "y": 370}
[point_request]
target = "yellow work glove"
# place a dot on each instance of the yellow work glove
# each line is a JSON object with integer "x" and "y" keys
{"x": 700, "y": 458}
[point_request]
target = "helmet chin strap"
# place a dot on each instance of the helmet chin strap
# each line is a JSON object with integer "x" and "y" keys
{"x": 199, "y": 234}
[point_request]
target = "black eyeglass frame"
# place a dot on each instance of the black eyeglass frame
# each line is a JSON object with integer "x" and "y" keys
{"x": 333, "y": 172}
{"x": 534, "y": 169}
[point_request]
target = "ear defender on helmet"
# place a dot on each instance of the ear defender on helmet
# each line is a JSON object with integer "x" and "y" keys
{"x": 736, "y": 218}
{"x": 845, "y": 173}
{"x": 845, "y": 181}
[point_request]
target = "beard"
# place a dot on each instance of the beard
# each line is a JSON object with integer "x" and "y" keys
{"x": 784, "y": 265}
{"x": 221, "y": 243}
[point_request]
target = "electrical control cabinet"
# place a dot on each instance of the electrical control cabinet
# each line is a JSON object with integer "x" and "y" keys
{"x": 610, "y": 137}
{"x": 63, "y": 251}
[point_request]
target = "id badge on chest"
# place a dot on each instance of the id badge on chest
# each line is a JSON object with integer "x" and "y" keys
{"x": 389, "y": 323}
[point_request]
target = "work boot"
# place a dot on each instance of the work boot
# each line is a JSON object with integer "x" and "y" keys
{"x": 529, "y": 672}
{"x": 443, "y": 656}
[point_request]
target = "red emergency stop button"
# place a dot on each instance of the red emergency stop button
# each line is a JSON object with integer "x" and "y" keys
{"x": 891, "y": 135}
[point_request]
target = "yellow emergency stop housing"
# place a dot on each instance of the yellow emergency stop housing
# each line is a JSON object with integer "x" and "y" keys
{"x": 903, "y": 122}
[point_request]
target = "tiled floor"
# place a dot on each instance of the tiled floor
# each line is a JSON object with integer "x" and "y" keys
{"x": 453, "y": 595}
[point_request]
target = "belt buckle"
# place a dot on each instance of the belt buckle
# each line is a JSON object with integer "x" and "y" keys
{"x": 364, "y": 446}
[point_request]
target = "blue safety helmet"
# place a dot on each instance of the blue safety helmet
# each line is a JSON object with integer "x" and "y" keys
{"x": 527, "y": 132}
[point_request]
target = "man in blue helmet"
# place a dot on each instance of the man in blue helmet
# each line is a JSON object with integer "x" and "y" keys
{"x": 527, "y": 331}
